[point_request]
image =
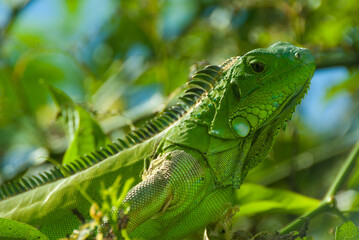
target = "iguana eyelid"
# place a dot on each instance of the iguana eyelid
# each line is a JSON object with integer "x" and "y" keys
{"x": 258, "y": 67}
{"x": 251, "y": 61}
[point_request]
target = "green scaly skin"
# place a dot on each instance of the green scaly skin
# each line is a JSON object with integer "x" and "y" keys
{"x": 191, "y": 168}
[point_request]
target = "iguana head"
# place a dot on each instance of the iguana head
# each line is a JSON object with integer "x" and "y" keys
{"x": 264, "y": 85}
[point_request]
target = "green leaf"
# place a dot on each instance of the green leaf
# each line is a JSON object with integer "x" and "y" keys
{"x": 84, "y": 133}
{"x": 59, "y": 97}
{"x": 10, "y": 229}
{"x": 256, "y": 199}
{"x": 347, "y": 231}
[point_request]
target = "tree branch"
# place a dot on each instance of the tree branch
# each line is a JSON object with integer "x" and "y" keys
{"x": 328, "y": 201}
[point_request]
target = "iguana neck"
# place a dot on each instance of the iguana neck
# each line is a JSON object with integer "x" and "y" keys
{"x": 222, "y": 149}
{"x": 228, "y": 156}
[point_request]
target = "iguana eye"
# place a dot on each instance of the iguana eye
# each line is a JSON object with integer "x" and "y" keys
{"x": 297, "y": 55}
{"x": 257, "y": 67}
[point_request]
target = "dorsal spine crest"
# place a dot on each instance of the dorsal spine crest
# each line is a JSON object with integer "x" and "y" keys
{"x": 199, "y": 85}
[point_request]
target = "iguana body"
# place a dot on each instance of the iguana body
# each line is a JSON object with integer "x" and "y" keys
{"x": 189, "y": 168}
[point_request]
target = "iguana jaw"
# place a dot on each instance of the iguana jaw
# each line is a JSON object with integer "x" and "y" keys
{"x": 261, "y": 139}
{"x": 286, "y": 109}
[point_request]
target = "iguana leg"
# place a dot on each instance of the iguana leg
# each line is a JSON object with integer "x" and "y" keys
{"x": 147, "y": 199}
{"x": 210, "y": 210}
{"x": 171, "y": 186}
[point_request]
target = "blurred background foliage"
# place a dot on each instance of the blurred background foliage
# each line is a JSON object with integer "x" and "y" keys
{"x": 120, "y": 61}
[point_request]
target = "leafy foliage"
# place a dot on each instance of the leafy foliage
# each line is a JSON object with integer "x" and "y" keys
{"x": 15, "y": 230}
{"x": 255, "y": 199}
{"x": 82, "y": 130}
{"x": 119, "y": 62}
{"x": 347, "y": 231}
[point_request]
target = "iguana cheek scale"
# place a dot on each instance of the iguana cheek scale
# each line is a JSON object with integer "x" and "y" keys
{"x": 191, "y": 157}
{"x": 241, "y": 126}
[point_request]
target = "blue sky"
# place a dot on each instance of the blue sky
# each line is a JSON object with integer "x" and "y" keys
{"x": 322, "y": 114}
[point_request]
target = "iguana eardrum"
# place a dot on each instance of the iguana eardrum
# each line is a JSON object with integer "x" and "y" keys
{"x": 191, "y": 157}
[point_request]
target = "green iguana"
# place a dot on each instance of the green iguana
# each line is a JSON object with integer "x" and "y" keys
{"x": 187, "y": 161}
